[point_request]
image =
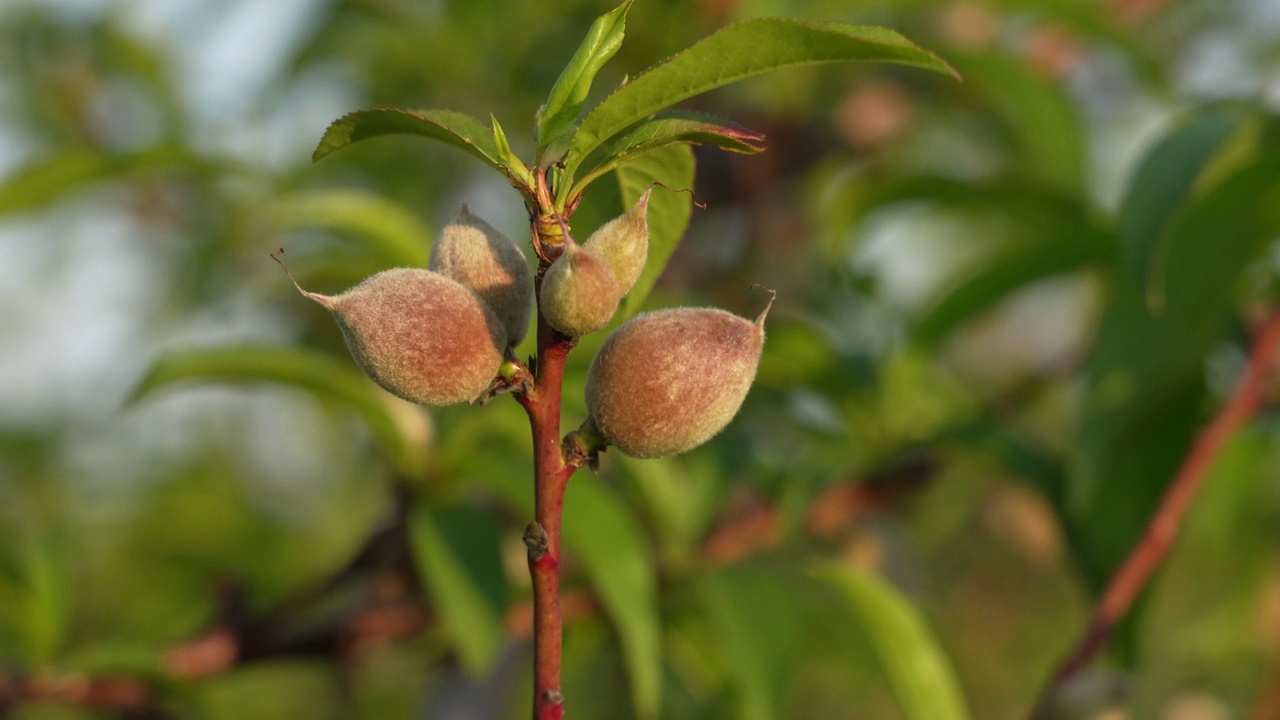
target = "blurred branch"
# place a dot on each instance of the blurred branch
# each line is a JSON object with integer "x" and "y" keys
{"x": 755, "y": 527}
{"x": 387, "y": 603}
{"x": 1136, "y": 572}
{"x": 375, "y": 598}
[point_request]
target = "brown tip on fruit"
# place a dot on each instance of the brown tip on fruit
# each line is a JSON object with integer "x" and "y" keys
{"x": 324, "y": 300}
{"x": 773, "y": 295}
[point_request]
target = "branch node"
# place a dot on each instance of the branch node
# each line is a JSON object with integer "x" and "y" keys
{"x": 577, "y": 454}
{"x": 535, "y": 538}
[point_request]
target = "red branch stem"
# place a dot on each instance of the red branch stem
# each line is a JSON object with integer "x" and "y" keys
{"x": 551, "y": 477}
{"x": 1129, "y": 580}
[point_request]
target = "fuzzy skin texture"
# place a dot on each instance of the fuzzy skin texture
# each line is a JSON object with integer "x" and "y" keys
{"x": 667, "y": 381}
{"x": 421, "y": 336}
{"x": 472, "y": 252}
{"x": 624, "y": 242}
{"x": 579, "y": 292}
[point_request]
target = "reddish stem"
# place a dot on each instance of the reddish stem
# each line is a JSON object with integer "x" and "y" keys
{"x": 551, "y": 477}
{"x": 1157, "y": 541}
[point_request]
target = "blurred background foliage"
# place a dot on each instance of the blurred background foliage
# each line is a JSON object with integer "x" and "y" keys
{"x": 1005, "y": 307}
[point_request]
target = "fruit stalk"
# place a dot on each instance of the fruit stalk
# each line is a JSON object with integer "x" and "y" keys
{"x": 551, "y": 476}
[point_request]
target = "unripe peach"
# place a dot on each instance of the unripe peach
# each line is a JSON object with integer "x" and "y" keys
{"x": 475, "y": 254}
{"x": 624, "y": 242}
{"x": 579, "y": 291}
{"x": 667, "y": 381}
{"x": 420, "y": 335}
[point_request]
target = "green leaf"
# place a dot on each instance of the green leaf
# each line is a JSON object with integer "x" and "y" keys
{"x": 756, "y": 623}
{"x": 450, "y": 127}
{"x": 399, "y": 238}
{"x": 1146, "y": 380}
{"x": 272, "y": 687}
{"x": 1065, "y": 246}
{"x": 310, "y": 370}
{"x": 510, "y": 160}
{"x": 1162, "y": 183}
{"x": 48, "y": 179}
{"x": 122, "y": 657}
{"x": 918, "y": 671}
{"x": 669, "y": 211}
{"x": 1048, "y": 234}
{"x": 35, "y": 598}
{"x": 1040, "y": 119}
{"x": 800, "y": 353}
{"x": 670, "y": 128}
{"x": 679, "y": 498}
{"x": 616, "y": 557}
{"x": 737, "y": 52}
{"x": 458, "y": 553}
{"x": 569, "y": 94}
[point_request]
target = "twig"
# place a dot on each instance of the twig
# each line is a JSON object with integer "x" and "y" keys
{"x": 1157, "y": 541}
{"x": 542, "y": 537}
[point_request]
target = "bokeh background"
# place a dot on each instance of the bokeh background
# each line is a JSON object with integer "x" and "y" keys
{"x": 283, "y": 541}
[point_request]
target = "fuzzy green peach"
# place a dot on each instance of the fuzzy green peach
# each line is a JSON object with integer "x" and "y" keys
{"x": 480, "y": 257}
{"x": 667, "y": 381}
{"x": 579, "y": 293}
{"x": 419, "y": 335}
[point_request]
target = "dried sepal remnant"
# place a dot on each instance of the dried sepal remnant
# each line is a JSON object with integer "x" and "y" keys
{"x": 420, "y": 335}
{"x": 667, "y": 381}
{"x": 579, "y": 291}
{"x": 624, "y": 242}
{"x": 480, "y": 257}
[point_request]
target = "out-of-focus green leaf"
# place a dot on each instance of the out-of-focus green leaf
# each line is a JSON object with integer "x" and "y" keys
{"x": 1019, "y": 455}
{"x": 569, "y": 94}
{"x": 1064, "y": 247}
{"x": 398, "y": 237}
{"x": 457, "y": 551}
{"x": 797, "y": 352}
{"x": 49, "y": 179}
{"x": 268, "y": 690}
{"x": 1162, "y": 183}
{"x": 605, "y": 538}
{"x": 1146, "y": 385}
{"x": 681, "y": 497}
{"x": 670, "y": 128}
{"x": 309, "y": 370}
{"x": 756, "y": 629}
{"x": 1211, "y": 242}
{"x": 918, "y": 671}
{"x": 34, "y": 599}
{"x": 450, "y": 127}
{"x": 1037, "y": 114}
{"x": 118, "y": 658}
{"x": 1049, "y": 234}
{"x": 737, "y": 52}
{"x": 40, "y": 183}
